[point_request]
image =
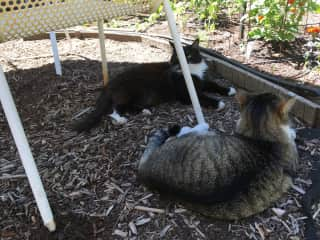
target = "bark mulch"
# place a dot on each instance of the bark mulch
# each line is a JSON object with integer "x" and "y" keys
{"x": 90, "y": 178}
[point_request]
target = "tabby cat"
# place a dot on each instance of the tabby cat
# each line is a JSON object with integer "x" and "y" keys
{"x": 227, "y": 176}
{"x": 150, "y": 84}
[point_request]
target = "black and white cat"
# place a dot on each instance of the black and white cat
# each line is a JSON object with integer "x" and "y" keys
{"x": 150, "y": 84}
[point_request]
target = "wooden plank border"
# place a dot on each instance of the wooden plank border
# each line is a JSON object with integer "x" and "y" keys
{"x": 304, "y": 109}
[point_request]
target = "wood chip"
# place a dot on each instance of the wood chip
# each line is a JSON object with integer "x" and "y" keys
{"x": 298, "y": 189}
{"x": 180, "y": 210}
{"x": 200, "y": 233}
{"x": 278, "y": 211}
{"x": 148, "y": 209}
{"x": 109, "y": 210}
{"x": 260, "y": 231}
{"x": 316, "y": 213}
{"x": 164, "y": 231}
{"x": 146, "y": 197}
{"x": 12, "y": 177}
{"x": 81, "y": 113}
{"x": 142, "y": 221}
{"x": 133, "y": 228}
{"x": 120, "y": 233}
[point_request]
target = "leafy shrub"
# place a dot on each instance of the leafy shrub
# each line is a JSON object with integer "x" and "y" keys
{"x": 278, "y": 19}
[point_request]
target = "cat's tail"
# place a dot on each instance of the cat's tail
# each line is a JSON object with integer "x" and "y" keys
{"x": 103, "y": 106}
{"x": 156, "y": 140}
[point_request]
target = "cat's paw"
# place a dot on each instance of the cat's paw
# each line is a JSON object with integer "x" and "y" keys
{"x": 146, "y": 112}
{"x": 221, "y": 105}
{"x": 120, "y": 121}
{"x": 117, "y": 119}
{"x": 232, "y": 91}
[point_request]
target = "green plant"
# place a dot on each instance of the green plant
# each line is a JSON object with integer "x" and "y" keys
{"x": 154, "y": 17}
{"x": 278, "y": 20}
{"x": 207, "y": 11}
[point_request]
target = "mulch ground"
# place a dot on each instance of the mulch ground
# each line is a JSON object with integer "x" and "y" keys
{"x": 90, "y": 178}
{"x": 283, "y": 60}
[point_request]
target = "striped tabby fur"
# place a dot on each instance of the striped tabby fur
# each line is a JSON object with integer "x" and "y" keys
{"x": 227, "y": 176}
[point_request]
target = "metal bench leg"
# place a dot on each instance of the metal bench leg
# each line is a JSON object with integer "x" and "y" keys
{"x": 103, "y": 53}
{"x": 183, "y": 62}
{"x": 25, "y": 152}
{"x": 57, "y": 63}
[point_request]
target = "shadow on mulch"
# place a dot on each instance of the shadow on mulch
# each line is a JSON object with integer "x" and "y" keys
{"x": 35, "y": 82}
{"x": 39, "y": 92}
{"x": 69, "y": 226}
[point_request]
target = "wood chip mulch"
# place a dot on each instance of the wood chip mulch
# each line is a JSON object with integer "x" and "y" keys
{"x": 90, "y": 178}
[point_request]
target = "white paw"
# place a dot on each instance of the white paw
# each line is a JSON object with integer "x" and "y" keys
{"x": 146, "y": 112}
{"x": 117, "y": 119}
{"x": 200, "y": 129}
{"x": 120, "y": 121}
{"x": 232, "y": 91}
{"x": 221, "y": 105}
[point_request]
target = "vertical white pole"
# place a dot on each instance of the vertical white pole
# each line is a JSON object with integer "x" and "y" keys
{"x": 183, "y": 62}
{"x": 25, "y": 152}
{"x": 103, "y": 52}
{"x": 55, "y": 52}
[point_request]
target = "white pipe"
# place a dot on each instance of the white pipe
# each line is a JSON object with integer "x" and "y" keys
{"x": 25, "y": 152}
{"x": 55, "y": 52}
{"x": 103, "y": 52}
{"x": 183, "y": 62}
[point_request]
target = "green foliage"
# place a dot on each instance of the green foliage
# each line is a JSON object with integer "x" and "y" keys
{"x": 207, "y": 11}
{"x": 154, "y": 17}
{"x": 278, "y": 20}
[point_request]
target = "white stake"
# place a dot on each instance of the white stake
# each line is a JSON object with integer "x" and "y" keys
{"x": 103, "y": 53}
{"x": 183, "y": 62}
{"x": 25, "y": 152}
{"x": 55, "y": 52}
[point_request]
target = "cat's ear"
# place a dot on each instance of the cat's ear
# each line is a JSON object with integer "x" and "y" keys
{"x": 242, "y": 97}
{"x": 286, "y": 105}
{"x": 195, "y": 44}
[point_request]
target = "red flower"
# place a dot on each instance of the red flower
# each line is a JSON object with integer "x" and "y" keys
{"x": 313, "y": 29}
{"x": 291, "y": 1}
{"x": 260, "y": 18}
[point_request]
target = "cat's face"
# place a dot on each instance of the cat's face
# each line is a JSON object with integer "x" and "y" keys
{"x": 192, "y": 53}
{"x": 265, "y": 116}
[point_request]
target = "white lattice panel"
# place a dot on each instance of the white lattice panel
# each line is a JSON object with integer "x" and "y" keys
{"x": 23, "y": 18}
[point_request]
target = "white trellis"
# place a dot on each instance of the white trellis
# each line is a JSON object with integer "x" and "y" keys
{"x": 27, "y": 18}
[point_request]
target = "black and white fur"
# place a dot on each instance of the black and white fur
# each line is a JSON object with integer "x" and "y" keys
{"x": 150, "y": 84}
